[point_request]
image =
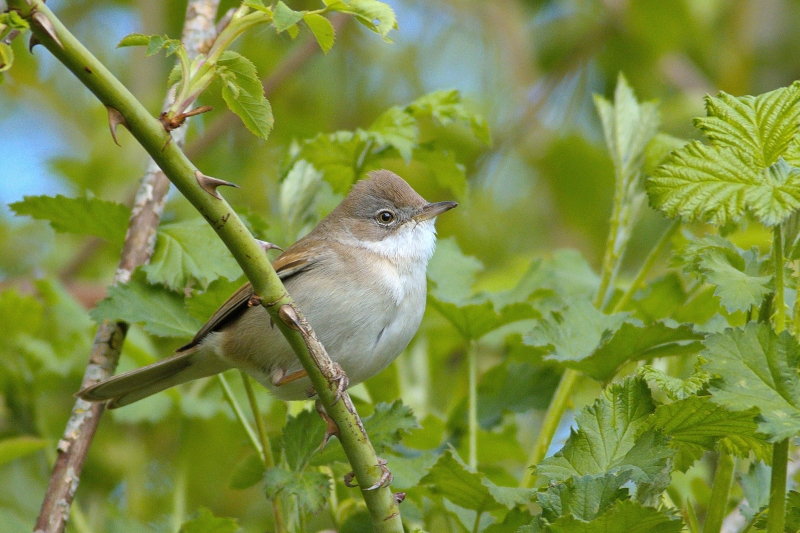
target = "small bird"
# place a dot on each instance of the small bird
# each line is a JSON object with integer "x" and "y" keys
{"x": 359, "y": 278}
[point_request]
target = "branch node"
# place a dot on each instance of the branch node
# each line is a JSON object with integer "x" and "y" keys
{"x": 399, "y": 497}
{"x": 47, "y": 26}
{"x": 210, "y": 184}
{"x": 115, "y": 118}
{"x": 254, "y": 301}
{"x": 173, "y": 122}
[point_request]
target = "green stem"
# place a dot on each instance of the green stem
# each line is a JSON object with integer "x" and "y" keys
{"x": 777, "y": 254}
{"x": 550, "y": 423}
{"x": 237, "y": 410}
{"x": 179, "y": 500}
{"x": 718, "y": 503}
{"x": 473, "y": 406}
{"x": 477, "y": 526}
{"x": 149, "y": 132}
{"x": 691, "y": 518}
{"x": 647, "y": 266}
{"x": 266, "y": 455}
{"x": 777, "y": 487}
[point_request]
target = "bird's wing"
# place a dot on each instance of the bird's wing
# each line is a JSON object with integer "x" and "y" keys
{"x": 290, "y": 263}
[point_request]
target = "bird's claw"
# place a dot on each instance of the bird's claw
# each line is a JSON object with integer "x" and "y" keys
{"x": 342, "y": 382}
{"x": 331, "y": 428}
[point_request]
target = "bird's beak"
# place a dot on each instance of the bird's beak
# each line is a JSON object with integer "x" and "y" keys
{"x": 432, "y": 210}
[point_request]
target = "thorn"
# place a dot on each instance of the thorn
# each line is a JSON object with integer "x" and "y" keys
{"x": 399, "y": 497}
{"x": 254, "y": 301}
{"x": 267, "y": 246}
{"x": 197, "y": 111}
{"x": 331, "y": 428}
{"x": 348, "y": 480}
{"x": 115, "y": 118}
{"x": 47, "y": 25}
{"x": 288, "y": 316}
{"x": 171, "y": 122}
{"x": 210, "y": 184}
{"x": 33, "y": 42}
{"x": 386, "y": 476}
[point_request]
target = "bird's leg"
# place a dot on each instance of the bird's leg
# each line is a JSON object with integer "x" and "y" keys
{"x": 341, "y": 380}
{"x": 278, "y": 376}
{"x": 384, "y": 481}
{"x": 331, "y": 428}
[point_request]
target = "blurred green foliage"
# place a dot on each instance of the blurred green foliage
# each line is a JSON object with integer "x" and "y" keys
{"x": 544, "y": 183}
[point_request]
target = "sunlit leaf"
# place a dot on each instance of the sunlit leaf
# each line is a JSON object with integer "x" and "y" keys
{"x": 309, "y": 488}
{"x": 624, "y": 517}
{"x": 206, "y": 522}
{"x": 244, "y": 94}
{"x": 322, "y": 29}
{"x": 375, "y": 15}
{"x": 283, "y": 17}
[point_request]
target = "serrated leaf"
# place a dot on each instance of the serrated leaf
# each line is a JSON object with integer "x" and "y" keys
{"x": 755, "y": 487}
{"x": 450, "y": 478}
{"x": 160, "y": 310}
{"x": 744, "y": 169}
{"x": 452, "y": 272}
{"x": 201, "y": 306}
{"x": 757, "y": 368}
{"x": 474, "y": 321}
{"x": 86, "y": 216}
{"x": 396, "y": 128}
{"x": 676, "y": 388}
{"x": 335, "y": 155}
{"x": 624, "y": 517}
{"x": 583, "y": 497}
{"x": 16, "y": 447}
{"x": 244, "y": 94}
{"x": 206, "y": 522}
{"x": 632, "y": 342}
{"x": 322, "y": 29}
{"x": 367, "y": 12}
{"x": 189, "y": 251}
{"x": 609, "y": 438}
{"x": 302, "y": 438}
{"x": 575, "y": 332}
{"x": 446, "y": 107}
{"x": 695, "y": 425}
{"x": 309, "y": 487}
{"x": 284, "y": 17}
{"x": 388, "y": 423}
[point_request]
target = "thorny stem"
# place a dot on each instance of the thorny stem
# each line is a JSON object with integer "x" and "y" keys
{"x": 150, "y": 133}
{"x": 136, "y": 250}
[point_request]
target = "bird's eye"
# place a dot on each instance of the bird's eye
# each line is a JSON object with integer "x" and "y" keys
{"x": 385, "y": 217}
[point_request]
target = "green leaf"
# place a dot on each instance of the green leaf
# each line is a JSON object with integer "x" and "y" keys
{"x": 408, "y": 471}
{"x": 624, "y": 517}
{"x": 695, "y": 425}
{"x": 676, "y": 388}
{"x": 182, "y": 256}
{"x": 85, "y": 216}
{"x": 398, "y": 129}
{"x": 247, "y": 473}
{"x": 13, "y": 20}
{"x": 6, "y": 56}
{"x": 755, "y": 488}
{"x": 744, "y": 169}
{"x": 474, "y": 321}
{"x": 16, "y": 447}
{"x": 377, "y": 16}
{"x": 244, "y": 94}
{"x": 302, "y": 438}
{"x": 633, "y": 342}
{"x": 452, "y": 272}
{"x": 762, "y": 126}
{"x": 575, "y": 332}
{"x": 154, "y": 43}
{"x": 160, "y": 311}
{"x": 310, "y": 488}
{"x": 584, "y": 497}
{"x": 201, "y": 306}
{"x": 445, "y": 170}
{"x": 450, "y": 478}
{"x": 757, "y": 368}
{"x": 447, "y": 107}
{"x": 610, "y": 439}
{"x": 388, "y": 423}
{"x": 284, "y": 18}
{"x": 135, "y": 39}
{"x": 206, "y": 522}
{"x": 20, "y": 315}
{"x": 336, "y": 156}
{"x": 298, "y": 194}
{"x": 322, "y": 29}
{"x": 628, "y": 127}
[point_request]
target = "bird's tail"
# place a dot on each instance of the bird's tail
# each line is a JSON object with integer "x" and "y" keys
{"x": 132, "y": 386}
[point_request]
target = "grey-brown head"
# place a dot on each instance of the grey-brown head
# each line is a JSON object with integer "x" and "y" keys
{"x": 382, "y": 206}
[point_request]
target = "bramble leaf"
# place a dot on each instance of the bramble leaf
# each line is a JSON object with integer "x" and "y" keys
{"x": 309, "y": 487}
{"x": 182, "y": 254}
{"x": 160, "y": 311}
{"x": 747, "y": 167}
{"x": 367, "y": 12}
{"x": 202, "y": 305}
{"x": 676, "y": 388}
{"x": 757, "y": 368}
{"x": 87, "y": 216}
{"x": 623, "y": 517}
{"x": 244, "y": 94}
{"x": 302, "y": 436}
{"x": 583, "y": 497}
